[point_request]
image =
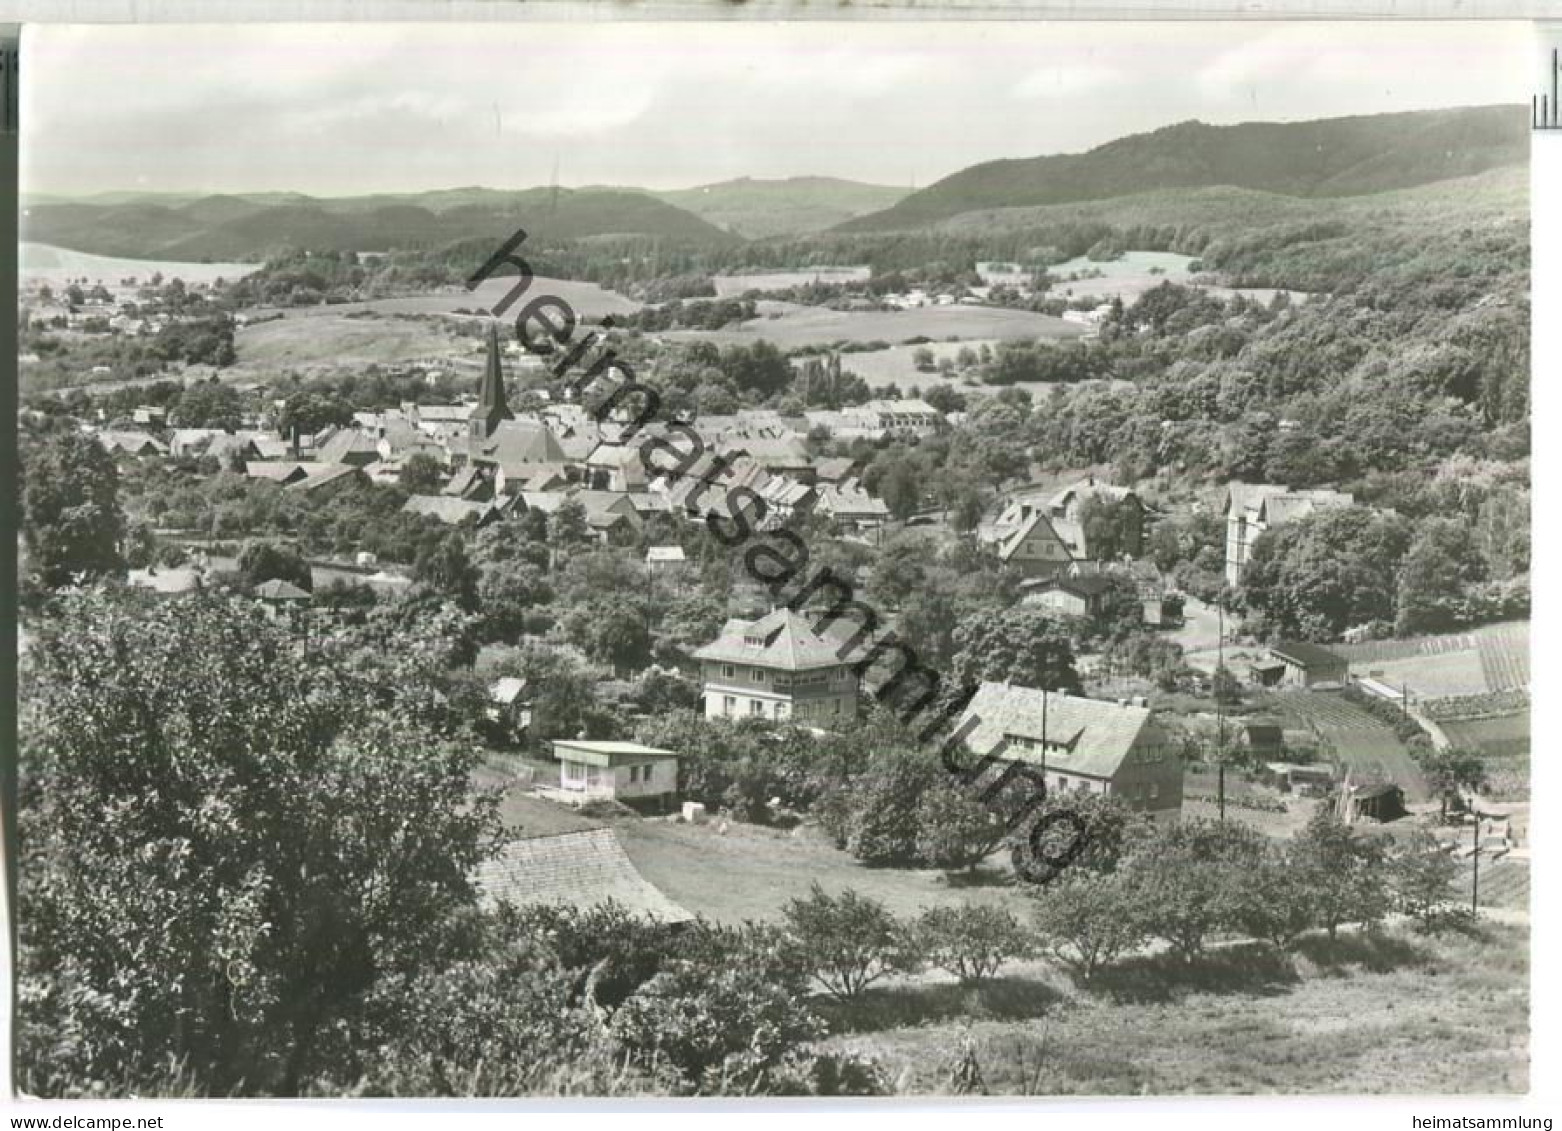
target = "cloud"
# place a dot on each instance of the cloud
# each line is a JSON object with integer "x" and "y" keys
{"x": 1066, "y": 80}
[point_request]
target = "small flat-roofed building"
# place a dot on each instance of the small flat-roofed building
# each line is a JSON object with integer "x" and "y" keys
{"x": 618, "y": 771}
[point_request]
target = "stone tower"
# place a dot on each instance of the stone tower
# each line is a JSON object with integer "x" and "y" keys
{"x": 491, "y": 406}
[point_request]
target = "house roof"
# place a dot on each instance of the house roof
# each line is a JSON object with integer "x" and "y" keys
{"x": 665, "y": 554}
{"x": 447, "y": 509}
{"x": 1085, "y": 585}
{"x": 1306, "y": 655}
{"x": 278, "y": 590}
{"x": 580, "y": 869}
{"x": 606, "y": 753}
{"x": 281, "y": 471}
{"x": 515, "y": 443}
{"x": 506, "y": 689}
{"x": 784, "y": 640}
{"x": 349, "y": 443}
{"x": 318, "y": 475}
{"x": 1083, "y": 736}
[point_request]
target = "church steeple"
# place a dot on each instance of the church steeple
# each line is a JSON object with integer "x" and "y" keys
{"x": 491, "y": 406}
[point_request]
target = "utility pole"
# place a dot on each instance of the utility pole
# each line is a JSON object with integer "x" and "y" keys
{"x": 1475, "y": 866}
{"x": 1220, "y": 706}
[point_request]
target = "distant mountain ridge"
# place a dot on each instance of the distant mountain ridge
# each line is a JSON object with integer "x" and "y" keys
{"x": 757, "y": 209}
{"x": 1330, "y": 157}
{"x": 252, "y": 226}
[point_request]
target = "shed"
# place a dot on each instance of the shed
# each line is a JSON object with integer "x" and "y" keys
{"x": 580, "y": 870}
{"x": 622, "y": 771}
{"x": 1378, "y": 802}
{"x": 1307, "y": 665}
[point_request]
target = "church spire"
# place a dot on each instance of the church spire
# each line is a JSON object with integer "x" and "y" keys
{"x": 491, "y": 406}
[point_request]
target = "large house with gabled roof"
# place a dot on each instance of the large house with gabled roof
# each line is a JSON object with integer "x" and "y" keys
{"x": 777, "y": 667}
{"x": 1079, "y": 745}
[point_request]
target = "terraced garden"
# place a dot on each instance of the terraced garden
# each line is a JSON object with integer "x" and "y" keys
{"x": 1365, "y": 745}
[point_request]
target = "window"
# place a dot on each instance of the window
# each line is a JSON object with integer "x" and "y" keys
{"x": 645, "y": 773}
{"x": 729, "y": 705}
{"x": 758, "y": 675}
{"x": 634, "y": 774}
{"x": 780, "y": 710}
{"x": 756, "y": 707}
{"x": 728, "y": 671}
{"x": 1062, "y": 783}
{"x": 1155, "y": 790}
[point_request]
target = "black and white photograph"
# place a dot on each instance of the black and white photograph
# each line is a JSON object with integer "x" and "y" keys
{"x": 736, "y": 560}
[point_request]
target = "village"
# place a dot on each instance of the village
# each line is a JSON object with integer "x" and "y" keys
{"x": 1062, "y": 631}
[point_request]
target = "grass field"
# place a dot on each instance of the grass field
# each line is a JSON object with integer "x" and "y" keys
{"x": 56, "y": 265}
{"x": 728, "y": 286}
{"x": 334, "y": 340}
{"x": 751, "y": 872}
{"x": 1365, "y": 1015}
{"x": 818, "y": 326}
{"x": 588, "y": 300}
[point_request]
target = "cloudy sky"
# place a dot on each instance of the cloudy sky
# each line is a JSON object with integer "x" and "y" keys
{"x": 340, "y": 109}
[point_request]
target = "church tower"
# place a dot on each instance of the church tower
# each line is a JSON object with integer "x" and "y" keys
{"x": 491, "y": 407}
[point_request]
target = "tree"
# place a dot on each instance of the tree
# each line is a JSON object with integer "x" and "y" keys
{"x": 1450, "y": 772}
{"x": 444, "y": 568}
{"x": 1021, "y": 645}
{"x": 726, "y": 1030}
{"x": 970, "y": 941}
{"x": 1087, "y": 921}
{"x": 228, "y": 894}
{"x": 208, "y": 404}
{"x": 567, "y": 528}
{"x": 922, "y": 358}
{"x": 268, "y": 561}
{"x": 1344, "y": 870}
{"x": 612, "y": 631}
{"x": 72, "y": 523}
{"x": 955, "y": 829}
{"x": 1188, "y": 880}
{"x": 846, "y": 942}
{"x": 310, "y": 412}
{"x": 1278, "y": 902}
{"x": 508, "y": 592}
{"x": 1444, "y": 561}
{"x": 1422, "y": 876}
{"x": 421, "y": 474}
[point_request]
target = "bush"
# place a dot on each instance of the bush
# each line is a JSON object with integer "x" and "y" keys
{"x": 971, "y": 941}
{"x": 846, "y": 942}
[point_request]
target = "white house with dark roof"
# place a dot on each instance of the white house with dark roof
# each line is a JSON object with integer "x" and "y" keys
{"x": 1079, "y": 745}
{"x": 1252, "y": 508}
{"x": 777, "y": 667}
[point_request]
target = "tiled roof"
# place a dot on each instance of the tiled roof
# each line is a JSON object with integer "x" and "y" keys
{"x": 784, "y": 640}
{"x": 1086, "y": 736}
{"x": 1306, "y": 655}
{"x": 446, "y": 509}
{"x": 579, "y": 869}
{"x": 318, "y": 475}
{"x": 278, "y": 590}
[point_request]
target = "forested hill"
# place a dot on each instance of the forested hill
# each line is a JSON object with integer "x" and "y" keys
{"x": 255, "y": 227}
{"x": 1332, "y": 157}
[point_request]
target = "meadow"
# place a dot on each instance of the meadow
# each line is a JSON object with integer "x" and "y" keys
{"x": 817, "y": 326}
{"x": 1360, "y": 1016}
{"x": 44, "y": 263}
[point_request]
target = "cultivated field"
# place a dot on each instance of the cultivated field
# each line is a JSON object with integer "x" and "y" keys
{"x": 39, "y": 262}
{"x": 805, "y": 326}
{"x": 332, "y": 340}
{"x": 1360, "y": 1016}
{"x": 1368, "y": 747}
{"x": 588, "y": 300}
{"x": 1494, "y": 657}
{"x": 730, "y": 286}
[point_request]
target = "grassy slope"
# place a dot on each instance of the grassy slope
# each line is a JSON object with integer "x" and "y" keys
{"x": 1362, "y": 1017}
